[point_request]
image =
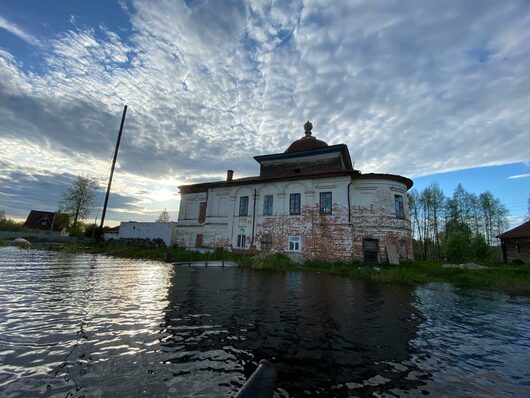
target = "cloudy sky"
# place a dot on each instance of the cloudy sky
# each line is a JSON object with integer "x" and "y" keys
{"x": 434, "y": 90}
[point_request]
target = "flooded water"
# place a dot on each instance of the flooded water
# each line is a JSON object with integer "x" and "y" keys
{"x": 96, "y": 326}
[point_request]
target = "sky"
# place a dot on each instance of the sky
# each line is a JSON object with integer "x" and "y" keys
{"x": 432, "y": 90}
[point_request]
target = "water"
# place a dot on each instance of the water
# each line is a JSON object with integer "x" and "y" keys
{"x": 96, "y": 326}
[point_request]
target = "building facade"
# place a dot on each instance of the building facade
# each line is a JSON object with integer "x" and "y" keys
{"x": 146, "y": 230}
{"x": 47, "y": 221}
{"x": 308, "y": 202}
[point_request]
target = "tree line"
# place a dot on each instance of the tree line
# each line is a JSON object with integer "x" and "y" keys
{"x": 460, "y": 227}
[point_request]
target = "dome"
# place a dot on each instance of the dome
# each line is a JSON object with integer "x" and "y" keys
{"x": 306, "y": 143}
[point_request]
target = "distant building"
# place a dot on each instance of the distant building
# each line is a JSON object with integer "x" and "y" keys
{"x": 47, "y": 221}
{"x": 148, "y": 230}
{"x": 111, "y": 233}
{"x": 515, "y": 243}
{"x": 308, "y": 202}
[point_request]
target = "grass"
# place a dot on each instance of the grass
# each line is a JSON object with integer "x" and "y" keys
{"x": 500, "y": 277}
{"x": 173, "y": 254}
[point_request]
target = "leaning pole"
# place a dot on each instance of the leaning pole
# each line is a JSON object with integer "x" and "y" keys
{"x": 112, "y": 170}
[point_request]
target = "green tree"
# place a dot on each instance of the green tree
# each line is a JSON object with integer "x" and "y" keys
{"x": 457, "y": 241}
{"x": 7, "y": 224}
{"x": 79, "y": 199}
{"x": 494, "y": 215}
{"x": 480, "y": 248}
{"x": 437, "y": 206}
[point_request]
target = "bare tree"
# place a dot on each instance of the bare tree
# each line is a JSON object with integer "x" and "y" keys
{"x": 414, "y": 211}
{"x": 438, "y": 206}
{"x": 79, "y": 199}
{"x": 164, "y": 217}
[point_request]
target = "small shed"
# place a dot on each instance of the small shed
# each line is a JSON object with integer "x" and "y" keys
{"x": 515, "y": 243}
{"x": 111, "y": 233}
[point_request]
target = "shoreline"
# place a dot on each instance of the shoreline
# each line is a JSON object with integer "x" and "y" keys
{"x": 500, "y": 277}
{"x": 508, "y": 278}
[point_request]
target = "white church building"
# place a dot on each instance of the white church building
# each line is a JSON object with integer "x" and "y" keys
{"x": 308, "y": 202}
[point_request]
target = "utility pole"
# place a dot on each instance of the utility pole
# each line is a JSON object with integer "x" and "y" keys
{"x": 112, "y": 170}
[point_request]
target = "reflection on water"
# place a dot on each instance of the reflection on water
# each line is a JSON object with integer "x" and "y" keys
{"x": 321, "y": 332}
{"x": 83, "y": 325}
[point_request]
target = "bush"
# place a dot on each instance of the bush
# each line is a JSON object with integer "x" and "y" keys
{"x": 7, "y": 224}
{"x": 480, "y": 248}
{"x": 458, "y": 247}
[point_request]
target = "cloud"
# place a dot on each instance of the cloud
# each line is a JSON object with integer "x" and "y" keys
{"x": 518, "y": 176}
{"x": 43, "y": 191}
{"x": 18, "y": 31}
{"x": 411, "y": 88}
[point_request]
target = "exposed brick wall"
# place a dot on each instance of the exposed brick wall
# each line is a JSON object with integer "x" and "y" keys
{"x": 330, "y": 237}
{"x": 374, "y": 223}
{"x": 327, "y": 237}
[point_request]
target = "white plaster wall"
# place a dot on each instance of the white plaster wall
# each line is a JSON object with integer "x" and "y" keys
{"x": 189, "y": 207}
{"x": 110, "y": 236}
{"x": 223, "y": 221}
{"x": 148, "y": 230}
{"x": 371, "y": 200}
{"x": 378, "y": 195}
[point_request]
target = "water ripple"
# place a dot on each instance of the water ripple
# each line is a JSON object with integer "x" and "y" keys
{"x": 92, "y": 326}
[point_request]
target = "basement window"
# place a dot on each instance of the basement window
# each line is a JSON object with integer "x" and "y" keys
{"x": 241, "y": 240}
{"x": 266, "y": 242}
{"x": 294, "y": 244}
{"x": 398, "y": 202}
{"x": 297, "y": 171}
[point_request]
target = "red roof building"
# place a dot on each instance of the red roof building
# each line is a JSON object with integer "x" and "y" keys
{"x": 308, "y": 202}
{"x": 45, "y": 221}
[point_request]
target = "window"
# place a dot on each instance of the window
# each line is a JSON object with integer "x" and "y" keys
{"x": 294, "y": 243}
{"x": 202, "y": 212}
{"x": 243, "y": 206}
{"x": 325, "y": 202}
{"x": 241, "y": 240}
{"x": 267, "y": 205}
{"x": 398, "y": 202}
{"x": 294, "y": 204}
{"x": 266, "y": 242}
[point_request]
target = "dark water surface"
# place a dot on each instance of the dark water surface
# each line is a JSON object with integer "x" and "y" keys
{"x": 96, "y": 326}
